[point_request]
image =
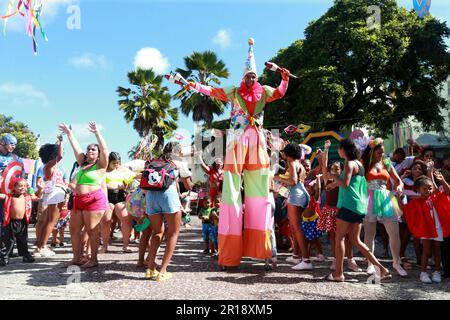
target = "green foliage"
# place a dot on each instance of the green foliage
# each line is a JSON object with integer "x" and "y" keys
{"x": 350, "y": 74}
{"x": 26, "y": 140}
{"x": 205, "y": 68}
{"x": 147, "y": 105}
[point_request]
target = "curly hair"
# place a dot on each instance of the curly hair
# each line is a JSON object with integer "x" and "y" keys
{"x": 349, "y": 148}
{"x": 293, "y": 150}
{"x": 48, "y": 152}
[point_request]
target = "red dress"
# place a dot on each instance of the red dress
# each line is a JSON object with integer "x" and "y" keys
{"x": 418, "y": 215}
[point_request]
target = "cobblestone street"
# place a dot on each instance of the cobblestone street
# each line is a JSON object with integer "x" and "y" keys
{"x": 197, "y": 277}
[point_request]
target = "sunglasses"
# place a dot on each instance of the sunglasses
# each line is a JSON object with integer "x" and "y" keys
{"x": 92, "y": 149}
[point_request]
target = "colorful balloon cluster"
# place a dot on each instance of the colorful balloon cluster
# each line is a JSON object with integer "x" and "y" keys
{"x": 31, "y": 10}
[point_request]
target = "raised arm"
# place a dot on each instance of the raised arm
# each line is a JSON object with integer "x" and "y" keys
{"x": 203, "y": 165}
{"x": 217, "y": 93}
{"x": 439, "y": 177}
{"x": 104, "y": 153}
{"x": 280, "y": 91}
{"x": 78, "y": 152}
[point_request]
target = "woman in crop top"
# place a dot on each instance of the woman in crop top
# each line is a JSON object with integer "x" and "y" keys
{"x": 298, "y": 199}
{"x": 382, "y": 203}
{"x": 117, "y": 179}
{"x": 89, "y": 203}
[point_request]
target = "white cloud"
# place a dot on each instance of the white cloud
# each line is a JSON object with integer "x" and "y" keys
{"x": 89, "y": 60}
{"x": 222, "y": 38}
{"x": 22, "y": 95}
{"x": 151, "y": 58}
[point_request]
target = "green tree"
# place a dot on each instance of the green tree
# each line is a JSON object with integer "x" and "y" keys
{"x": 205, "y": 68}
{"x": 26, "y": 139}
{"x": 147, "y": 105}
{"x": 352, "y": 74}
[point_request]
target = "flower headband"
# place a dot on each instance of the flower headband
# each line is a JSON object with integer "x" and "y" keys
{"x": 375, "y": 142}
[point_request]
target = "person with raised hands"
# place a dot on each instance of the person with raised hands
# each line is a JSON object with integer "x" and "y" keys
{"x": 90, "y": 200}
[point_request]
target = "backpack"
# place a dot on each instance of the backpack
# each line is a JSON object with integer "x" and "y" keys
{"x": 158, "y": 175}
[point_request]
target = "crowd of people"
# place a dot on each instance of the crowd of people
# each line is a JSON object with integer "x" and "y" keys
{"x": 407, "y": 196}
{"x": 254, "y": 205}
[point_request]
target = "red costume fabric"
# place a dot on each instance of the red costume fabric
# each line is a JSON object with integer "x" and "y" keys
{"x": 419, "y": 218}
{"x": 7, "y": 209}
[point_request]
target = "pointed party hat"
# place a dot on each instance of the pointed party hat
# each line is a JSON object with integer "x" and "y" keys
{"x": 250, "y": 63}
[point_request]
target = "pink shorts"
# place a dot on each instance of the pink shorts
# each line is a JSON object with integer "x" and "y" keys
{"x": 92, "y": 201}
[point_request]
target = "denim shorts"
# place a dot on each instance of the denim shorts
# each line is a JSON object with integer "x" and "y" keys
{"x": 298, "y": 196}
{"x": 349, "y": 216}
{"x": 167, "y": 201}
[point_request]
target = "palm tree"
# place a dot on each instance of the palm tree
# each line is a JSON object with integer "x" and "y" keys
{"x": 205, "y": 68}
{"x": 147, "y": 105}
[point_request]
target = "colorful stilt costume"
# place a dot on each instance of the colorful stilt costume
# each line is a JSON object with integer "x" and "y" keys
{"x": 246, "y": 155}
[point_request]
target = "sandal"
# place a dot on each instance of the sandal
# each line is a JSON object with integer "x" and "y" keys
{"x": 72, "y": 263}
{"x": 407, "y": 264}
{"x": 152, "y": 274}
{"x": 353, "y": 266}
{"x": 163, "y": 276}
{"x": 331, "y": 278}
{"x": 387, "y": 276}
{"x": 127, "y": 250}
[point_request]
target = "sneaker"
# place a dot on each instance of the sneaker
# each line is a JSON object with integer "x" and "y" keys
{"x": 152, "y": 274}
{"x": 303, "y": 265}
{"x": 37, "y": 253}
{"x": 401, "y": 272}
{"x": 333, "y": 265}
{"x": 294, "y": 260}
{"x": 371, "y": 269}
{"x": 320, "y": 257}
{"x": 163, "y": 276}
{"x": 353, "y": 266}
{"x": 46, "y": 252}
{"x": 425, "y": 278}
{"x": 436, "y": 277}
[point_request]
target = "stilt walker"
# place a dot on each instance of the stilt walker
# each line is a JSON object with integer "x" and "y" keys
{"x": 246, "y": 155}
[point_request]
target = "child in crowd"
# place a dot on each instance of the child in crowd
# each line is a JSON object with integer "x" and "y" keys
{"x": 205, "y": 216}
{"x": 60, "y": 226}
{"x": 311, "y": 218}
{"x": 418, "y": 169}
{"x": 428, "y": 218}
{"x": 17, "y": 213}
{"x": 185, "y": 209}
{"x": 215, "y": 232}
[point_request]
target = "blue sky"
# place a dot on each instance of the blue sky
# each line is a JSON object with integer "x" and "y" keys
{"x": 75, "y": 74}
